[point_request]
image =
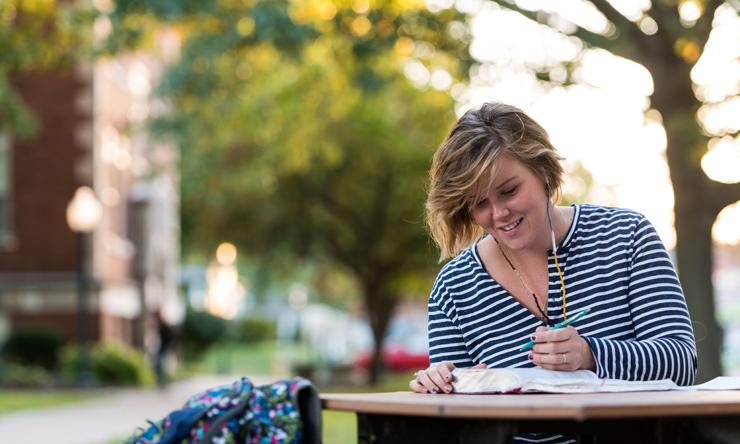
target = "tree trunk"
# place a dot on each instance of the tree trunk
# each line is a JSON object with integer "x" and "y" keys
{"x": 694, "y": 208}
{"x": 694, "y": 254}
{"x": 380, "y": 305}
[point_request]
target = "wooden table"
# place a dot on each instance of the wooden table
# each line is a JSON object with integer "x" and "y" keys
{"x": 669, "y": 417}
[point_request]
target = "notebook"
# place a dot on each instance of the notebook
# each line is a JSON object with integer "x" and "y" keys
{"x": 526, "y": 380}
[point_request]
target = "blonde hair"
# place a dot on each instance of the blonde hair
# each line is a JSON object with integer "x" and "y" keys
{"x": 468, "y": 155}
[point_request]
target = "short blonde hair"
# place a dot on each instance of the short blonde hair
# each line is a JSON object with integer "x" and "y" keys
{"x": 468, "y": 155}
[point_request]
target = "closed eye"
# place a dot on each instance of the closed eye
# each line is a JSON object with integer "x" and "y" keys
{"x": 509, "y": 191}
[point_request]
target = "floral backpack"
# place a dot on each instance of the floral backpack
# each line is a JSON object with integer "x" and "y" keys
{"x": 287, "y": 411}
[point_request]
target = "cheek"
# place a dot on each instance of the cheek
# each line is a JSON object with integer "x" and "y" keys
{"x": 480, "y": 217}
{"x": 525, "y": 204}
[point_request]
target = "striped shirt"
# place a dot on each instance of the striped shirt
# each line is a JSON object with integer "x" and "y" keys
{"x": 614, "y": 262}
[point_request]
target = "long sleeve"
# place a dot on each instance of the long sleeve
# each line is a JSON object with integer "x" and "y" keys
{"x": 445, "y": 338}
{"x": 664, "y": 346}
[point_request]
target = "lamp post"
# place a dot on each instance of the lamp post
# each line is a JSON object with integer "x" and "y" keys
{"x": 83, "y": 216}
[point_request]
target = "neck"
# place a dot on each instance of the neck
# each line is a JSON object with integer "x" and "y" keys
{"x": 561, "y": 222}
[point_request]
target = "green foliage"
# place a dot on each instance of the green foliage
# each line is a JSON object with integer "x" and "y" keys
{"x": 118, "y": 364}
{"x": 302, "y": 139}
{"x": 251, "y": 330}
{"x": 201, "y": 330}
{"x": 110, "y": 363}
{"x": 14, "y": 116}
{"x": 249, "y": 359}
{"x": 24, "y": 376}
{"x": 36, "y": 35}
{"x": 35, "y": 346}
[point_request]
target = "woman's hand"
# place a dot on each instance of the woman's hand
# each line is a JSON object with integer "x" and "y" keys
{"x": 437, "y": 378}
{"x": 561, "y": 349}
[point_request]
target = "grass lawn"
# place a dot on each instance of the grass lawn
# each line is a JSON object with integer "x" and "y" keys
{"x": 341, "y": 427}
{"x": 15, "y": 400}
{"x": 254, "y": 359}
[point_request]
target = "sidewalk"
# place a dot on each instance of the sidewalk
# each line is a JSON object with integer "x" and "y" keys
{"x": 107, "y": 419}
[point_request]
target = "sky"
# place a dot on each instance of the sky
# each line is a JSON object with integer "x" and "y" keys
{"x": 605, "y": 122}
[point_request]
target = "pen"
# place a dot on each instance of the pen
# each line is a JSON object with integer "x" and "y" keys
{"x": 565, "y": 323}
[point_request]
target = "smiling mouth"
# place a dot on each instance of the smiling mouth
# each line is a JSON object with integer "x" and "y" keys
{"x": 512, "y": 225}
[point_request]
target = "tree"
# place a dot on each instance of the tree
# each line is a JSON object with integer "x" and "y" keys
{"x": 302, "y": 138}
{"x": 41, "y": 35}
{"x": 669, "y": 46}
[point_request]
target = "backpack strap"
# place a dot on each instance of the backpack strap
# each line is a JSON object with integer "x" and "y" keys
{"x": 306, "y": 397}
{"x": 181, "y": 421}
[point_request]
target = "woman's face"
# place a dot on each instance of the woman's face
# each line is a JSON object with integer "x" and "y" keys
{"x": 513, "y": 210}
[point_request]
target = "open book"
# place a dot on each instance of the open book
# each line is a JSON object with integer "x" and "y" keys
{"x": 522, "y": 380}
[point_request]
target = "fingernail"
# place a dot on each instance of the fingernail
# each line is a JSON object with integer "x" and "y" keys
{"x": 435, "y": 390}
{"x": 448, "y": 388}
{"x": 529, "y": 356}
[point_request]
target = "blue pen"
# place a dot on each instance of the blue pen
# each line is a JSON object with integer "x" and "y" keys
{"x": 565, "y": 323}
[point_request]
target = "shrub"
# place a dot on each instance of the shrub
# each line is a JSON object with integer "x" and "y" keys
{"x": 68, "y": 363}
{"x": 200, "y": 331}
{"x": 118, "y": 364}
{"x": 34, "y": 346}
{"x": 110, "y": 364}
{"x": 14, "y": 375}
{"x": 251, "y": 330}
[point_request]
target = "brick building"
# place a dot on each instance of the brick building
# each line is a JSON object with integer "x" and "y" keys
{"x": 90, "y": 133}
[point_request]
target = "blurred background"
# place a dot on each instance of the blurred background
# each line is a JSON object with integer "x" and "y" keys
{"x": 236, "y": 187}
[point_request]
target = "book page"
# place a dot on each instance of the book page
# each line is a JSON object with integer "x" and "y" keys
{"x": 506, "y": 380}
{"x": 718, "y": 383}
{"x": 513, "y": 380}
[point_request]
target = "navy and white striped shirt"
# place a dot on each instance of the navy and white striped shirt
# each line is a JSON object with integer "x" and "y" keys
{"x": 614, "y": 262}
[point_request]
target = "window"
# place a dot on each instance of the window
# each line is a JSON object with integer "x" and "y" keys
{"x": 5, "y": 235}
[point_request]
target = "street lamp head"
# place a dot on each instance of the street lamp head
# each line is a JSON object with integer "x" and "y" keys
{"x": 226, "y": 254}
{"x": 84, "y": 211}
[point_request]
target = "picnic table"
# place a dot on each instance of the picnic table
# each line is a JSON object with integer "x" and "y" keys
{"x": 655, "y": 417}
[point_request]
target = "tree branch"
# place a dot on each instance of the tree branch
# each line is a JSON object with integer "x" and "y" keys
{"x": 703, "y": 26}
{"x": 614, "y": 45}
{"x": 725, "y": 194}
{"x": 631, "y": 30}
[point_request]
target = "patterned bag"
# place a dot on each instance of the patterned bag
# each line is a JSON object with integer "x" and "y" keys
{"x": 286, "y": 411}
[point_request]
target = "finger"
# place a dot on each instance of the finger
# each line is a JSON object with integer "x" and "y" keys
{"x": 537, "y": 332}
{"x": 547, "y": 348}
{"x": 416, "y": 386}
{"x": 432, "y": 381}
{"x": 555, "y": 359}
{"x": 561, "y": 334}
{"x": 445, "y": 373}
{"x": 447, "y": 364}
{"x": 480, "y": 366}
{"x": 441, "y": 376}
{"x": 423, "y": 379}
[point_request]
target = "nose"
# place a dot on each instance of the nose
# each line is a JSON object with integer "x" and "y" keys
{"x": 499, "y": 212}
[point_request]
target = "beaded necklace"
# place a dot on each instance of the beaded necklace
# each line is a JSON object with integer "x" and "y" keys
{"x": 544, "y": 317}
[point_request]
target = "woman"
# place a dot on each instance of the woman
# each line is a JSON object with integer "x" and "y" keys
{"x": 522, "y": 263}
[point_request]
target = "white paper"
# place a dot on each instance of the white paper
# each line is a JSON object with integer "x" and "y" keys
{"x": 548, "y": 381}
{"x": 718, "y": 383}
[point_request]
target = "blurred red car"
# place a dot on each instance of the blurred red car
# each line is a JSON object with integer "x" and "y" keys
{"x": 405, "y": 346}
